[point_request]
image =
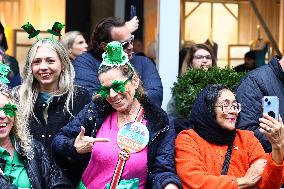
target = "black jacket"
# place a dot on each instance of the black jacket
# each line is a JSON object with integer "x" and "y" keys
{"x": 161, "y": 165}
{"x": 57, "y": 116}
{"x": 267, "y": 80}
{"x": 42, "y": 171}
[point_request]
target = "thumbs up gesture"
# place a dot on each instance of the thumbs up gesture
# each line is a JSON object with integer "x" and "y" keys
{"x": 84, "y": 144}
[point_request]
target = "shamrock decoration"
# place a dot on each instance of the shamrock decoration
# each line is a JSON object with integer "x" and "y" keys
{"x": 4, "y": 71}
{"x": 114, "y": 55}
{"x": 117, "y": 86}
{"x": 30, "y": 30}
{"x": 56, "y": 29}
{"x": 9, "y": 109}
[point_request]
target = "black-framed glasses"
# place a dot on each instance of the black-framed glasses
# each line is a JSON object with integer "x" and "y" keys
{"x": 130, "y": 41}
{"x": 201, "y": 57}
{"x": 226, "y": 108}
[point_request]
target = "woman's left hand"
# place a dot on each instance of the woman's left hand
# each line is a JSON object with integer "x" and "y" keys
{"x": 171, "y": 186}
{"x": 273, "y": 129}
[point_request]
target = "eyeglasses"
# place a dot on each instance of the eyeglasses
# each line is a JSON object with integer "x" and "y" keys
{"x": 226, "y": 107}
{"x": 200, "y": 57}
{"x": 125, "y": 44}
{"x": 117, "y": 86}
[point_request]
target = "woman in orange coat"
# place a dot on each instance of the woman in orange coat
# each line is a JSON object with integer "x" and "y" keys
{"x": 214, "y": 154}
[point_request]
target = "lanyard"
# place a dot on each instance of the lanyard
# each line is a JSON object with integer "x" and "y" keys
{"x": 124, "y": 155}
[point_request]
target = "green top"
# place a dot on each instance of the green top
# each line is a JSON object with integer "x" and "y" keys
{"x": 14, "y": 170}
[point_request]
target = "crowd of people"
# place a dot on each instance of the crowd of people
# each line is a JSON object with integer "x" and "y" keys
{"x": 89, "y": 116}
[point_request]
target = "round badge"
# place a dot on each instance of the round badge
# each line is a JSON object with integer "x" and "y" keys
{"x": 133, "y": 137}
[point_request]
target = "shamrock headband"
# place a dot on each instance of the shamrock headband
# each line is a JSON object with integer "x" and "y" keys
{"x": 9, "y": 109}
{"x": 55, "y": 30}
{"x": 114, "y": 56}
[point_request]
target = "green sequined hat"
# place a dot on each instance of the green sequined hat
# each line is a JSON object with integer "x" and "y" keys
{"x": 4, "y": 71}
{"x": 56, "y": 29}
{"x": 114, "y": 55}
{"x": 30, "y": 30}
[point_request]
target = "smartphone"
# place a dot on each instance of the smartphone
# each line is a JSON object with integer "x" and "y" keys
{"x": 132, "y": 11}
{"x": 270, "y": 105}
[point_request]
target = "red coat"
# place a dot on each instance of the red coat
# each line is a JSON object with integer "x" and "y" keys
{"x": 199, "y": 163}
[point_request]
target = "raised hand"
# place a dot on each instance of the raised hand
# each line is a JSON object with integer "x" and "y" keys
{"x": 84, "y": 144}
{"x": 132, "y": 24}
{"x": 274, "y": 131}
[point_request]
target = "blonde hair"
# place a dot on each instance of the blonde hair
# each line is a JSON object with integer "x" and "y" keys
{"x": 28, "y": 91}
{"x": 69, "y": 38}
{"x": 19, "y": 130}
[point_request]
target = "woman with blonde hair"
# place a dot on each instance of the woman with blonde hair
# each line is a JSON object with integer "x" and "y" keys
{"x": 24, "y": 162}
{"x": 75, "y": 43}
{"x": 48, "y": 97}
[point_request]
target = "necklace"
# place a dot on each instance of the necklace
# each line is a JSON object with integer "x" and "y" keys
{"x": 136, "y": 115}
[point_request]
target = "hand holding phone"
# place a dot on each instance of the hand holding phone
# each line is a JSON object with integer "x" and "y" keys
{"x": 133, "y": 23}
{"x": 270, "y": 105}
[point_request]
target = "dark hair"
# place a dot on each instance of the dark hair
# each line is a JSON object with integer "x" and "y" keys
{"x": 183, "y": 56}
{"x": 102, "y": 33}
{"x": 214, "y": 92}
{"x": 195, "y": 48}
{"x": 4, "y": 40}
{"x": 250, "y": 54}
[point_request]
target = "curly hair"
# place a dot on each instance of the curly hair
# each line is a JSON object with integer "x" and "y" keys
{"x": 20, "y": 129}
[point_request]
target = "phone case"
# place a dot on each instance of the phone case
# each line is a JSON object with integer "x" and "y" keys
{"x": 270, "y": 105}
{"x": 132, "y": 11}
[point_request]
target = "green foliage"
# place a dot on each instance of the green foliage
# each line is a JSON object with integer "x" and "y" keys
{"x": 189, "y": 85}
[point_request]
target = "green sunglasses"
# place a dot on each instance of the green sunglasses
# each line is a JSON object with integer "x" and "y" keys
{"x": 9, "y": 109}
{"x": 117, "y": 86}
